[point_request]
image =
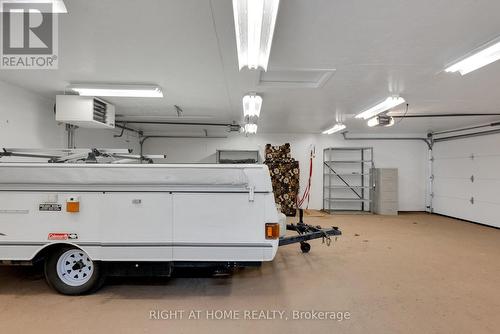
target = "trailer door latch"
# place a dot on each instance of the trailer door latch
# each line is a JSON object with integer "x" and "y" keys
{"x": 251, "y": 193}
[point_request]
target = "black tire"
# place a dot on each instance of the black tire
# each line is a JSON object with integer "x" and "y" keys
{"x": 305, "y": 247}
{"x": 92, "y": 283}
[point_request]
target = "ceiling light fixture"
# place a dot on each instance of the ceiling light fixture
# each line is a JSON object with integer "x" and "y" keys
{"x": 117, "y": 90}
{"x": 381, "y": 120}
{"x": 388, "y": 104}
{"x": 250, "y": 128}
{"x": 336, "y": 128}
{"x": 478, "y": 58}
{"x": 254, "y": 22}
{"x": 252, "y": 105}
{"x": 58, "y": 6}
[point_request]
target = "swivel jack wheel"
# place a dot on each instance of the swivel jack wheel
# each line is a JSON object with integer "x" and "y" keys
{"x": 305, "y": 247}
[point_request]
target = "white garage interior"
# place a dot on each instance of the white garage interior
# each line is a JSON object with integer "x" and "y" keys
{"x": 416, "y": 201}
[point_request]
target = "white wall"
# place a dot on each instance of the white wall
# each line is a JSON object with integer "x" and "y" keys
{"x": 408, "y": 156}
{"x": 453, "y": 187}
{"x": 85, "y": 138}
{"x": 27, "y": 121}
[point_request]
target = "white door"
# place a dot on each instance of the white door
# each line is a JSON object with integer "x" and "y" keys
{"x": 136, "y": 226}
{"x": 219, "y": 227}
{"x": 467, "y": 179}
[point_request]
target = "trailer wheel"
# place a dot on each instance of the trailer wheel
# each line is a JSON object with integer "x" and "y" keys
{"x": 305, "y": 247}
{"x": 70, "y": 271}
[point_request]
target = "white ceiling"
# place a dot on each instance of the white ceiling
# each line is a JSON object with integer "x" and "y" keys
{"x": 377, "y": 48}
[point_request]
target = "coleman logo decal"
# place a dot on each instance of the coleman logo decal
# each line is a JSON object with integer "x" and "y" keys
{"x": 62, "y": 236}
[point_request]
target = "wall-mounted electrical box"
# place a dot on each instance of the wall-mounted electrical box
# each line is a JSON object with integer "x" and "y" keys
{"x": 85, "y": 111}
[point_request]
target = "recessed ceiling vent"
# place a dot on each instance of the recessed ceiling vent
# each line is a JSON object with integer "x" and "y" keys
{"x": 296, "y": 78}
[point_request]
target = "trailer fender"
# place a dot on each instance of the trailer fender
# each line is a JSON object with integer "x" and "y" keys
{"x": 42, "y": 253}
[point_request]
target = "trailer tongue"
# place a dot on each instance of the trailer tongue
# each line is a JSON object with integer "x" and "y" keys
{"x": 308, "y": 232}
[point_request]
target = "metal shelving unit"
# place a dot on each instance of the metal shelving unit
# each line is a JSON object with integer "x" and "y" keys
{"x": 347, "y": 179}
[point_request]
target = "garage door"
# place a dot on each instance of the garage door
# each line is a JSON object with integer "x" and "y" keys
{"x": 467, "y": 179}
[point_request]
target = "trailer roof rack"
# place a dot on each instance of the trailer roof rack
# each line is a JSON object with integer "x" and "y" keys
{"x": 86, "y": 155}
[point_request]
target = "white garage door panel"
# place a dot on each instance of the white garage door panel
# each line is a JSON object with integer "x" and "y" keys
{"x": 487, "y": 167}
{"x": 486, "y": 190}
{"x": 452, "y": 206}
{"x": 456, "y": 188}
{"x": 454, "y": 164}
{"x": 482, "y": 213}
{"x": 453, "y": 168}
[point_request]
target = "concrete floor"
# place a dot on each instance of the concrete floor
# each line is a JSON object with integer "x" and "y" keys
{"x": 415, "y": 273}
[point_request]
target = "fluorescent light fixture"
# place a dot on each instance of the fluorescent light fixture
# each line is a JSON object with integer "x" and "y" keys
{"x": 252, "y": 105}
{"x": 58, "y": 6}
{"x": 388, "y": 104}
{"x": 117, "y": 90}
{"x": 254, "y": 22}
{"x": 382, "y": 120}
{"x": 336, "y": 128}
{"x": 251, "y": 128}
{"x": 478, "y": 58}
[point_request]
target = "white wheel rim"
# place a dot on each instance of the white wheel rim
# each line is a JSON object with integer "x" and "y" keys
{"x": 74, "y": 267}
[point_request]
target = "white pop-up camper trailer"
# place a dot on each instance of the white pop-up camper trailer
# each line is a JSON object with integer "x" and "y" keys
{"x": 79, "y": 216}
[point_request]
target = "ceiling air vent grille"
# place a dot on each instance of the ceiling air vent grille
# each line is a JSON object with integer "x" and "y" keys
{"x": 100, "y": 111}
{"x": 85, "y": 111}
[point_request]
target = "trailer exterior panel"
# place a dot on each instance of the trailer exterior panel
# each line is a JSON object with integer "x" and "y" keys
{"x": 138, "y": 212}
